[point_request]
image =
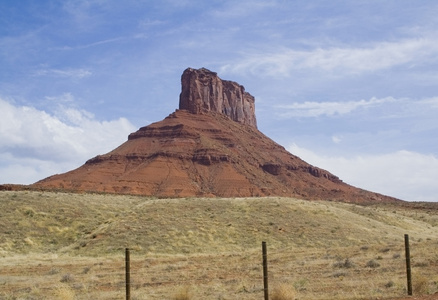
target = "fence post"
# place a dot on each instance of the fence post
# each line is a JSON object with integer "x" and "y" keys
{"x": 408, "y": 265}
{"x": 128, "y": 274}
{"x": 265, "y": 271}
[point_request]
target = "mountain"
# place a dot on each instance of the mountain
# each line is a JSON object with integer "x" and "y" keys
{"x": 209, "y": 147}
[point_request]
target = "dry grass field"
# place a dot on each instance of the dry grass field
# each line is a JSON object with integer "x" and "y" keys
{"x": 71, "y": 246}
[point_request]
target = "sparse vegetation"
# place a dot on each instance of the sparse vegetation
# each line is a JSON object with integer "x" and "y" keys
{"x": 389, "y": 284}
{"x": 71, "y": 246}
{"x": 420, "y": 284}
{"x": 372, "y": 264}
{"x": 347, "y": 263}
{"x": 67, "y": 278}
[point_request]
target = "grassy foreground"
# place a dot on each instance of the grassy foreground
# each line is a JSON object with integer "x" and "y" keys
{"x": 71, "y": 246}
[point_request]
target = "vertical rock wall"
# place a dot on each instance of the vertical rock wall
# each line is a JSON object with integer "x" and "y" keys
{"x": 202, "y": 90}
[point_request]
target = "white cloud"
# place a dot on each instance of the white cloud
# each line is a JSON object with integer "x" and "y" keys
{"x": 315, "y": 109}
{"x": 400, "y": 107}
{"x": 346, "y": 60}
{"x": 431, "y": 102}
{"x": 70, "y": 73}
{"x": 336, "y": 139}
{"x": 403, "y": 174}
{"x": 25, "y": 170}
{"x": 150, "y": 23}
{"x": 38, "y": 142}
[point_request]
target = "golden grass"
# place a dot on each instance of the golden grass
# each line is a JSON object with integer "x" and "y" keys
{"x": 183, "y": 293}
{"x": 420, "y": 284}
{"x": 283, "y": 292}
{"x": 71, "y": 246}
{"x": 64, "y": 292}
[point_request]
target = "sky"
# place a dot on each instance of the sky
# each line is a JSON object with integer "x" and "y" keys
{"x": 348, "y": 86}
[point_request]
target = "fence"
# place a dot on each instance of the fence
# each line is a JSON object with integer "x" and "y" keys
{"x": 265, "y": 270}
{"x": 332, "y": 273}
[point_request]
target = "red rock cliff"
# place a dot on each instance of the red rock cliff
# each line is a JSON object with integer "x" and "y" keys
{"x": 202, "y": 90}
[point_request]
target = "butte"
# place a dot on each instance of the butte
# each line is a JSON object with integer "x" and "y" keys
{"x": 209, "y": 147}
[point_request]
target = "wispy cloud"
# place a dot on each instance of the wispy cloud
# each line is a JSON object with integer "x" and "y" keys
{"x": 348, "y": 60}
{"x": 69, "y": 73}
{"x": 316, "y": 109}
{"x": 241, "y": 9}
{"x": 150, "y": 23}
{"x": 431, "y": 102}
{"x": 85, "y": 14}
{"x": 402, "y": 107}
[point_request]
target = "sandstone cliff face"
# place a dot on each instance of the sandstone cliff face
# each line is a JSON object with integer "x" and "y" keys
{"x": 203, "y": 91}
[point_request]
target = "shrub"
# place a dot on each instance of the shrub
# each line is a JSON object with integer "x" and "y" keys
{"x": 421, "y": 264}
{"x": 389, "y": 284}
{"x": 54, "y": 271}
{"x": 67, "y": 278}
{"x": 283, "y": 292}
{"x": 346, "y": 264}
{"x": 372, "y": 264}
{"x": 300, "y": 285}
{"x": 339, "y": 274}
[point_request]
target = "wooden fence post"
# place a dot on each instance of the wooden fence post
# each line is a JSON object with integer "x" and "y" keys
{"x": 408, "y": 265}
{"x": 265, "y": 271}
{"x": 128, "y": 274}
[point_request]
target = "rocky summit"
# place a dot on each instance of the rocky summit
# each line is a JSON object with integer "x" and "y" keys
{"x": 203, "y": 91}
{"x": 209, "y": 147}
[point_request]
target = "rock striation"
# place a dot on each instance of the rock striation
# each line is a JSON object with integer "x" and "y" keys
{"x": 210, "y": 147}
{"x": 203, "y": 91}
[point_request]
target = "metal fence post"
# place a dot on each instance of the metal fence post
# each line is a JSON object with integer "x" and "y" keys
{"x": 408, "y": 265}
{"x": 265, "y": 271}
{"x": 128, "y": 274}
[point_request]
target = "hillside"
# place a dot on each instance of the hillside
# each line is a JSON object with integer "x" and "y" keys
{"x": 321, "y": 249}
{"x": 92, "y": 224}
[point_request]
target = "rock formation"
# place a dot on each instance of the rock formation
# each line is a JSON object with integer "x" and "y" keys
{"x": 210, "y": 147}
{"x": 203, "y": 91}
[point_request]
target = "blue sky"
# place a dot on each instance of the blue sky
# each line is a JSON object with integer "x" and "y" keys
{"x": 349, "y": 86}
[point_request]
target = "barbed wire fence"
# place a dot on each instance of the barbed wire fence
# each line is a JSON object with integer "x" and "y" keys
{"x": 130, "y": 275}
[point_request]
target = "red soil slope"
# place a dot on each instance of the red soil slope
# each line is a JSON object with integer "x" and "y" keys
{"x": 205, "y": 154}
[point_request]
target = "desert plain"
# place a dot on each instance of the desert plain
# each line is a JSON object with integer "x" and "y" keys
{"x": 56, "y": 245}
